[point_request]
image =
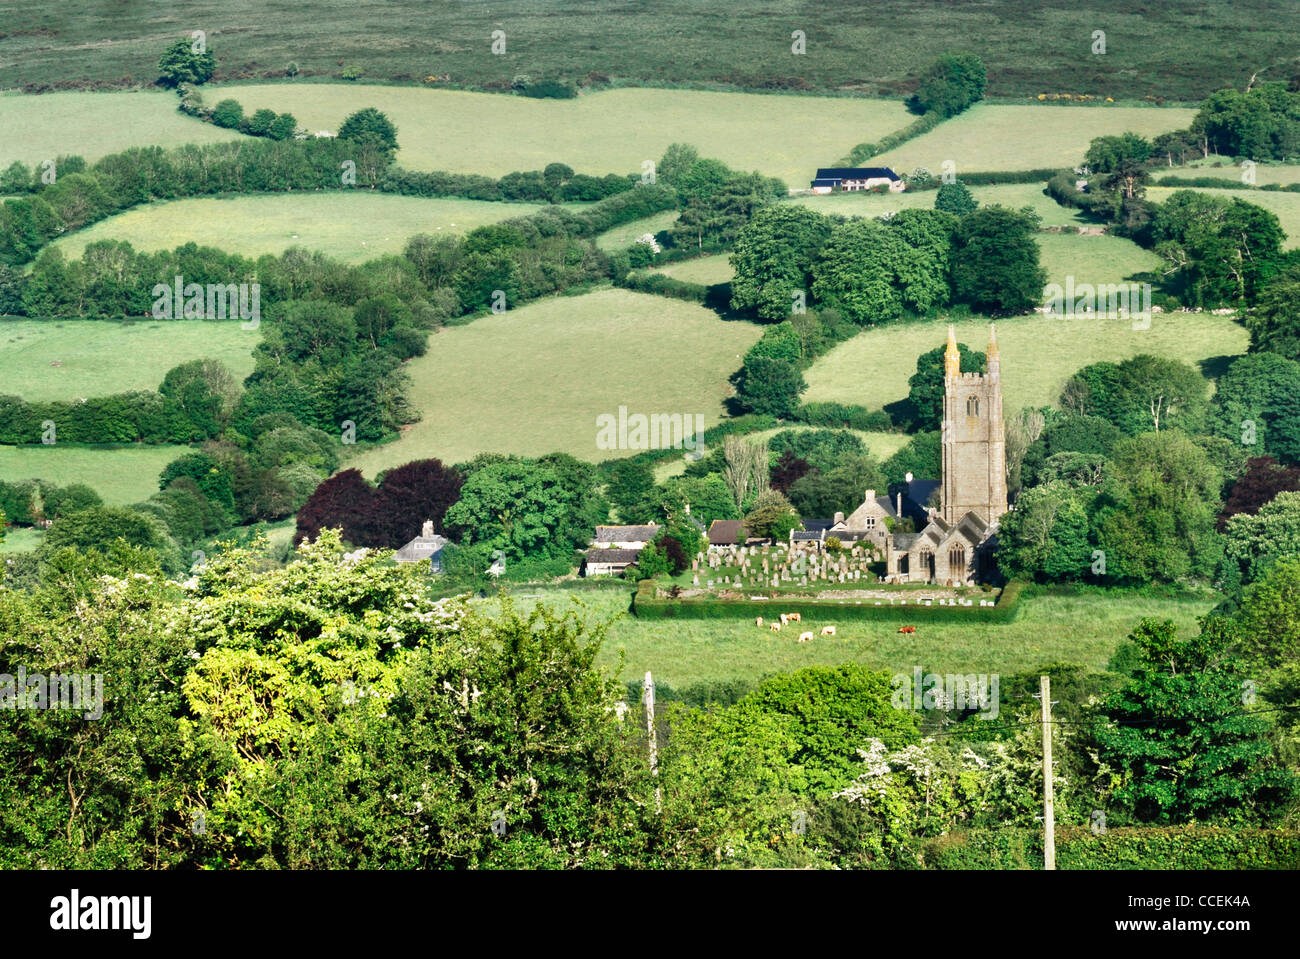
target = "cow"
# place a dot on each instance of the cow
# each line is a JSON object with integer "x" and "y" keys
{"x": 794, "y": 617}
{"x": 759, "y": 622}
{"x": 805, "y": 637}
{"x": 774, "y": 627}
{"x": 785, "y": 619}
{"x": 828, "y": 630}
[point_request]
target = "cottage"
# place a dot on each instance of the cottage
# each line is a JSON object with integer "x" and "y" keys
{"x": 724, "y": 533}
{"x": 830, "y": 179}
{"x": 427, "y": 546}
{"x": 608, "y": 562}
{"x": 624, "y": 537}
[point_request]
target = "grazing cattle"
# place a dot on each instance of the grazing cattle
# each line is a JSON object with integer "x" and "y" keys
{"x": 784, "y": 619}
{"x": 794, "y": 617}
{"x": 775, "y": 627}
{"x": 805, "y": 637}
{"x": 828, "y": 630}
{"x": 907, "y": 629}
{"x": 759, "y": 622}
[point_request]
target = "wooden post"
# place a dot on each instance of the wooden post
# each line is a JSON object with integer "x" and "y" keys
{"x": 649, "y": 688}
{"x": 1049, "y": 822}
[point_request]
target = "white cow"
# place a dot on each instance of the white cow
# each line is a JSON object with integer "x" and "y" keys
{"x": 805, "y": 637}
{"x": 775, "y": 627}
{"x": 828, "y": 630}
{"x": 759, "y": 622}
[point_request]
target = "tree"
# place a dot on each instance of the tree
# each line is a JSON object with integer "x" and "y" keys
{"x": 516, "y": 506}
{"x": 954, "y": 198}
{"x": 770, "y": 386}
{"x": 839, "y": 489}
{"x": 1155, "y": 515}
{"x": 182, "y": 63}
{"x": 926, "y": 386}
{"x": 1263, "y": 479}
{"x": 228, "y": 113}
{"x": 283, "y": 127}
{"x": 1046, "y": 536}
{"x": 631, "y": 490}
{"x": 1180, "y": 744}
{"x": 922, "y": 457}
{"x": 1140, "y": 394}
{"x": 1254, "y": 542}
{"x": 747, "y": 471}
{"x": 950, "y": 85}
{"x": 100, "y": 526}
{"x": 869, "y": 273}
{"x": 345, "y": 502}
{"x": 1257, "y": 404}
{"x": 372, "y": 126}
{"x": 1122, "y": 162}
{"x": 408, "y": 496}
{"x": 995, "y": 263}
{"x": 788, "y": 470}
{"x": 708, "y": 497}
{"x": 1274, "y": 320}
{"x": 773, "y": 259}
{"x": 1217, "y": 252}
{"x": 771, "y": 517}
{"x": 259, "y": 124}
{"x": 676, "y": 161}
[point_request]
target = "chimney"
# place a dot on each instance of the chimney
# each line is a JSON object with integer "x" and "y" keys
{"x": 839, "y": 518}
{"x": 871, "y": 495}
{"x": 899, "y": 509}
{"x": 427, "y": 529}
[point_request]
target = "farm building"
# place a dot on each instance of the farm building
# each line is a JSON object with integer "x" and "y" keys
{"x": 727, "y": 532}
{"x": 624, "y": 537}
{"x": 830, "y": 179}
{"x": 608, "y": 561}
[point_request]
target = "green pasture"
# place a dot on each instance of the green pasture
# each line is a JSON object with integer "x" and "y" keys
{"x": 57, "y": 359}
{"x": 1266, "y": 174}
{"x": 533, "y": 380}
{"x": 1013, "y": 195}
{"x": 1038, "y": 353}
{"x": 1048, "y": 629}
{"x": 992, "y": 136}
{"x": 121, "y": 475}
{"x": 704, "y": 269}
{"x": 1093, "y": 258}
{"x": 624, "y": 235}
{"x": 880, "y": 445}
{"x": 610, "y": 131}
{"x": 350, "y": 226}
{"x": 92, "y": 125}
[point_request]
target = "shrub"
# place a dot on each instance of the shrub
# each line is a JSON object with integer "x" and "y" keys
{"x": 228, "y": 114}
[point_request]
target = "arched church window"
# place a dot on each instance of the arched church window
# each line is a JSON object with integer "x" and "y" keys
{"x": 957, "y": 558}
{"x": 972, "y": 406}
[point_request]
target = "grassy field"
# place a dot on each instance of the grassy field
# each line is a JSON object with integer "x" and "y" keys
{"x": 1171, "y": 50}
{"x": 20, "y": 539}
{"x": 93, "y": 125}
{"x": 623, "y": 236}
{"x": 1092, "y": 259}
{"x": 611, "y": 131}
{"x": 1013, "y": 195}
{"x": 1038, "y": 354}
{"x": 1010, "y": 137}
{"x": 1265, "y": 174}
{"x": 96, "y": 358}
{"x": 349, "y": 226}
{"x": 1285, "y": 205}
{"x": 704, "y": 269}
{"x": 1048, "y": 629}
{"x": 533, "y": 380}
{"x": 121, "y": 475}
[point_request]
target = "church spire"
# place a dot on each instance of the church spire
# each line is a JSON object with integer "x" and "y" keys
{"x": 951, "y": 356}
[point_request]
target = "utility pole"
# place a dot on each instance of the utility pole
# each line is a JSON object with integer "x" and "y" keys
{"x": 1049, "y": 822}
{"x": 649, "y": 694}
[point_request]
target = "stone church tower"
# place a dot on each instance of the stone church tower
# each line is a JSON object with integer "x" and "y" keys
{"x": 974, "y": 438}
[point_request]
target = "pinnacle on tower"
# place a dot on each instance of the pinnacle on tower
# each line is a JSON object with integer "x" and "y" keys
{"x": 994, "y": 363}
{"x": 951, "y": 356}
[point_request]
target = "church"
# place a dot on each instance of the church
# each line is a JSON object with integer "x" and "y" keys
{"x": 957, "y": 535}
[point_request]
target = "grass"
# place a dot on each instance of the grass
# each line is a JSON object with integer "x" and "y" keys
{"x": 611, "y": 131}
{"x": 1013, "y": 195}
{"x": 624, "y": 235}
{"x": 121, "y": 475}
{"x": 703, "y": 269}
{"x": 97, "y": 358}
{"x": 1285, "y": 205}
{"x": 1038, "y": 354}
{"x": 1265, "y": 174}
{"x": 93, "y": 125}
{"x": 349, "y": 226}
{"x": 533, "y": 380}
{"x": 1170, "y": 50}
{"x": 1013, "y": 137}
{"x": 1048, "y": 629}
{"x": 1092, "y": 259}
{"x": 20, "y": 539}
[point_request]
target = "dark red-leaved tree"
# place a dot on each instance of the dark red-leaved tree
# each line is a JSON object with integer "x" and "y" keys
{"x": 346, "y": 501}
{"x": 1264, "y": 479}
{"x": 409, "y": 495}
{"x": 788, "y": 469}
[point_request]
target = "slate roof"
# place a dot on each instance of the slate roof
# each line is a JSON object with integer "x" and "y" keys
{"x": 625, "y": 534}
{"x": 599, "y": 555}
{"x": 422, "y": 547}
{"x": 836, "y": 173}
{"x": 725, "y": 532}
{"x": 817, "y": 525}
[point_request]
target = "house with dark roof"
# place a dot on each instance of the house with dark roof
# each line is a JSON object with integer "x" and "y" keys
{"x": 601, "y": 561}
{"x": 624, "y": 537}
{"x": 727, "y": 532}
{"x": 427, "y": 546}
{"x": 830, "y": 179}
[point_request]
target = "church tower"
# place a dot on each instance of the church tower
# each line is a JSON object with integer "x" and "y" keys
{"x": 974, "y": 437}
